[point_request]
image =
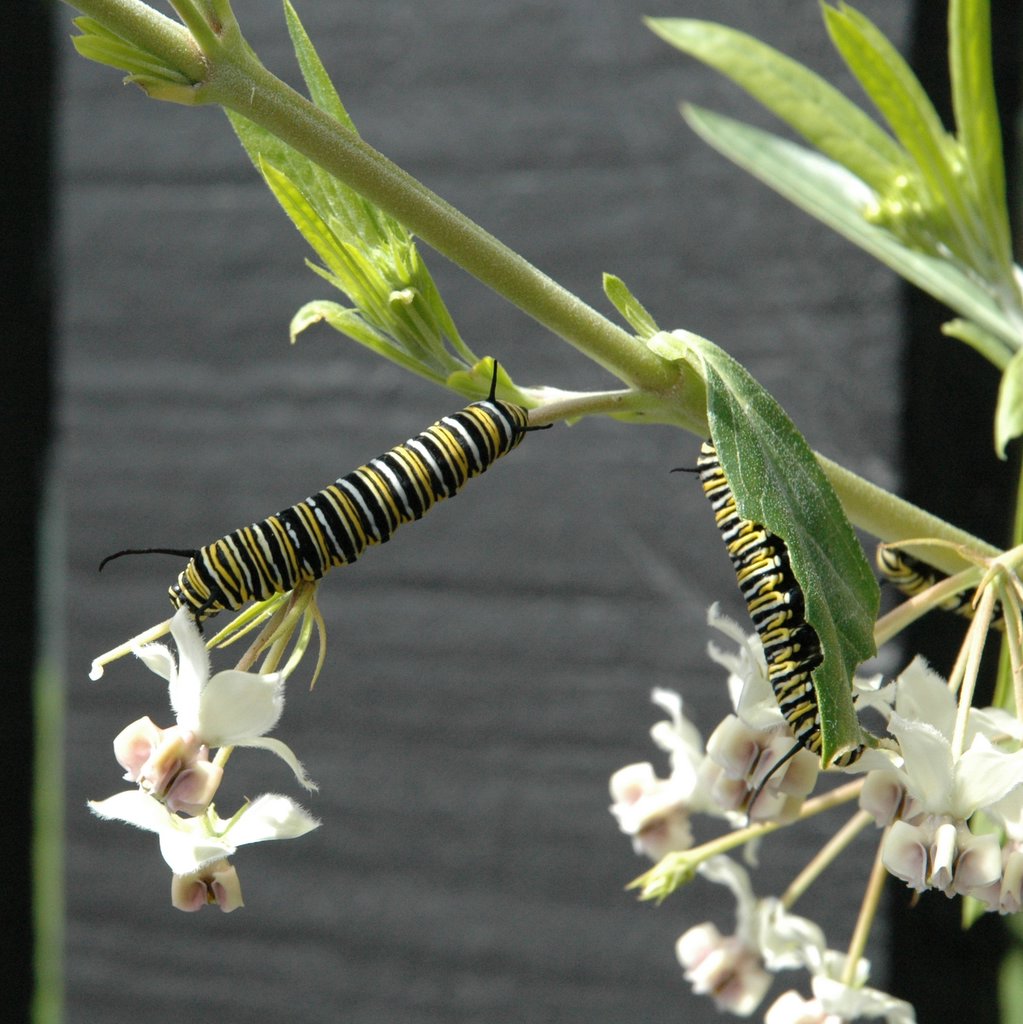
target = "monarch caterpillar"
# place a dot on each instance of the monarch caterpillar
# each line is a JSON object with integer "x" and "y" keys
{"x": 912, "y": 576}
{"x": 776, "y": 606}
{"x": 334, "y": 526}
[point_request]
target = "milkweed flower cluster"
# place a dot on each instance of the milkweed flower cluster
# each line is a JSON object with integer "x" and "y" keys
{"x": 175, "y": 779}
{"x": 944, "y": 787}
{"x": 737, "y": 970}
{"x": 940, "y": 782}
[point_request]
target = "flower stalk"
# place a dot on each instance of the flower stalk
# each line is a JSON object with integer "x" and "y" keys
{"x": 868, "y": 912}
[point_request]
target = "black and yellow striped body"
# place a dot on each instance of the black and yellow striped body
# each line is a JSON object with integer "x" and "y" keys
{"x": 365, "y": 507}
{"x": 775, "y": 602}
{"x": 912, "y": 576}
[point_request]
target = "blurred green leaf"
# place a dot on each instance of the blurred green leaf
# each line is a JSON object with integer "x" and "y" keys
{"x": 831, "y": 194}
{"x": 1009, "y": 411}
{"x": 979, "y": 131}
{"x": 897, "y": 93}
{"x": 802, "y": 99}
{"x": 993, "y": 349}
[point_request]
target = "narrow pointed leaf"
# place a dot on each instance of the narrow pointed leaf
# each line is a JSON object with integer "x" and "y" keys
{"x": 802, "y": 99}
{"x": 630, "y": 307}
{"x": 321, "y": 88}
{"x": 897, "y": 93}
{"x": 1009, "y": 411}
{"x": 353, "y": 325}
{"x": 304, "y": 216}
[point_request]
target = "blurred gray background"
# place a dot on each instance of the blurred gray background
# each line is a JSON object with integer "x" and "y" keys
{"x": 491, "y": 667}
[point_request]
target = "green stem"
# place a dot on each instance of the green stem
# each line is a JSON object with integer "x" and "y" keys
{"x": 892, "y": 518}
{"x": 636, "y": 405}
{"x": 230, "y": 75}
{"x": 150, "y": 30}
{"x": 270, "y": 103}
{"x": 675, "y": 868}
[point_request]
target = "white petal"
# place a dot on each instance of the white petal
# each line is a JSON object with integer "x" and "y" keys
{"x": 923, "y": 696}
{"x": 193, "y": 669}
{"x": 156, "y": 658}
{"x": 184, "y": 842}
{"x": 904, "y": 854}
{"x": 188, "y": 847}
{"x": 787, "y": 941}
{"x": 134, "y": 807}
{"x": 928, "y": 762}
{"x": 944, "y": 849}
{"x": 853, "y": 1003}
{"x": 983, "y": 775}
{"x": 669, "y": 701}
{"x": 1011, "y": 889}
{"x": 235, "y": 706}
{"x": 724, "y": 624}
{"x": 284, "y": 752}
{"x": 995, "y": 723}
{"x": 881, "y": 796}
{"x": 1009, "y": 812}
{"x": 979, "y": 864}
{"x": 791, "y": 1008}
{"x": 271, "y": 816}
{"x": 724, "y": 871}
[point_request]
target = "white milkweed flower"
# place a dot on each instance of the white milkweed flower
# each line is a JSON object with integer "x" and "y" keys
{"x": 736, "y": 969}
{"x": 834, "y": 1002}
{"x": 653, "y": 811}
{"x": 933, "y": 847}
{"x": 196, "y": 846}
{"x": 229, "y": 709}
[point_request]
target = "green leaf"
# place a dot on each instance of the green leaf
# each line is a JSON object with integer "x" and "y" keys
{"x": 991, "y": 348}
{"x": 831, "y": 194}
{"x": 366, "y": 253}
{"x": 976, "y": 114}
{"x": 630, "y": 307}
{"x": 897, "y": 93}
{"x": 352, "y": 324}
{"x": 349, "y": 214}
{"x": 778, "y": 483}
{"x": 802, "y": 99}
{"x": 1009, "y": 411}
{"x": 321, "y": 88}
{"x": 99, "y": 44}
{"x": 305, "y": 217}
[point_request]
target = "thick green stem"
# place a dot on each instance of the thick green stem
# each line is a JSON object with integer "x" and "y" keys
{"x": 265, "y": 100}
{"x": 232, "y": 77}
{"x": 229, "y": 74}
{"x": 892, "y": 518}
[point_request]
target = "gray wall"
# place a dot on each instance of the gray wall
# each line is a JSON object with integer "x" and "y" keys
{"x": 490, "y": 668}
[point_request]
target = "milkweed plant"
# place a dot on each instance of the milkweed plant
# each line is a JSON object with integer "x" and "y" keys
{"x": 937, "y": 780}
